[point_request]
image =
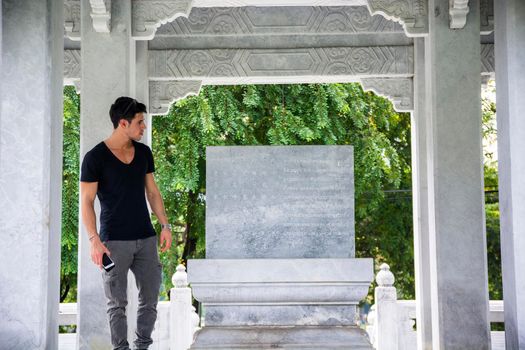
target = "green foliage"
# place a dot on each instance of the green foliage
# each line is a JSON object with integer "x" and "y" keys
{"x": 70, "y": 186}
{"x": 491, "y": 200}
{"x": 335, "y": 114}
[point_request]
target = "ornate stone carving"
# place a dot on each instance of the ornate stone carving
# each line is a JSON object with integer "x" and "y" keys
{"x": 412, "y": 14}
{"x": 398, "y": 90}
{"x": 72, "y": 66}
{"x": 486, "y": 16}
{"x": 72, "y": 19}
{"x": 101, "y": 15}
{"x": 385, "y": 277}
{"x": 163, "y": 93}
{"x": 278, "y": 20}
{"x": 487, "y": 59}
{"x": 148, "y": 15}
{"x": 229, "y": 64}
{"x": 458, "y": 10}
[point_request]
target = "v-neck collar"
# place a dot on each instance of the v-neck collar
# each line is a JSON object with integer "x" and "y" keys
{"x": 117, "y": 158}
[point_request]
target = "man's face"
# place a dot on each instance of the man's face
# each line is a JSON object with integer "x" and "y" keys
{"x": 135, "y": 129}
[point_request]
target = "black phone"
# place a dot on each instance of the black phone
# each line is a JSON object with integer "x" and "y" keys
{"x": 107, "y": 263}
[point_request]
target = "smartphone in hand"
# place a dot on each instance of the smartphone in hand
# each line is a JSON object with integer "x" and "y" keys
{"x": 107, "y": 263}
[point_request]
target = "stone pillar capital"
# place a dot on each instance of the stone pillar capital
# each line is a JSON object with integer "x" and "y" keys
{"x": 101, "y": 15}
{"x": 458, "y": 10}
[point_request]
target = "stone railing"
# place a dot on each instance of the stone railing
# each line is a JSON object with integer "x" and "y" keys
{"x": 176, "y": 322}
{"x": 391, "y": 322}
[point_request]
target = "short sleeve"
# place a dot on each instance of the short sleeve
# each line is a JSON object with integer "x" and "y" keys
{"x": 90, "y": 170}
{"x": 151, "y": 163}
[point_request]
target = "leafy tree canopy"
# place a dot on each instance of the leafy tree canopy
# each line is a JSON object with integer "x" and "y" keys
{"x": 334, "y": 114}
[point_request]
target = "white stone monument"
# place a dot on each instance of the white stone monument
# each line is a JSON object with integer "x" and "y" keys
{"x": 280, "y": 268}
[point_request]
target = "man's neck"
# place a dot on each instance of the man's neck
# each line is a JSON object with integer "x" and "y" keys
{"x": 118, "y": 140}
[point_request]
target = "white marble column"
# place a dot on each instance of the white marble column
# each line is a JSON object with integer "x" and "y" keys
{"x": 510, "y": 85}
{"x": 31, "y": 172}
{"x": 420, "y": 200}
{"x": 108, "y": 71}
{"x": 458, "y": 259}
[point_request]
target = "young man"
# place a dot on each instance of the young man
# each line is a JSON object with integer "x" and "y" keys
{"x": 119, "y": 171}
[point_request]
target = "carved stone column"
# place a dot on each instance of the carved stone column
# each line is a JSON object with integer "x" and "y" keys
{"x": 419, "y": 129}
{"x": 458, "y": 256}
{"x": 510, "y": 84}
{"x": 31, "y": 172}
{"x": 108, "y": 71}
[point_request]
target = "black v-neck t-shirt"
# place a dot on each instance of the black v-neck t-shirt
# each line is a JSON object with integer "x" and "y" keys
{"x": 121, "y": 191}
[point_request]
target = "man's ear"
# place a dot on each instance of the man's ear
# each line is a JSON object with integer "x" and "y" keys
{"x": 123, "y": 123}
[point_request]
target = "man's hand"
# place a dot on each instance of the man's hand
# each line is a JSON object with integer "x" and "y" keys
{"x": 97, "y": 250}
{"x": 165, "y": 240}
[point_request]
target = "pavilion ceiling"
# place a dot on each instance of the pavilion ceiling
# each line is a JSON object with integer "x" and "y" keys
{"x": 277, "y": 44}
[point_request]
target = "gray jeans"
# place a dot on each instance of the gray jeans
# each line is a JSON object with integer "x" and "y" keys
{"x": 142, "y": 258}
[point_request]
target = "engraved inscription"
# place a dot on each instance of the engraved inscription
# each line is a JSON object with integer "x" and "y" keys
{"x": 280, "y": 202}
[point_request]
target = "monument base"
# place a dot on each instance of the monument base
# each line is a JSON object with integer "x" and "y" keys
{"x": 280, "y": 303}
{"x": 298, "y": 337}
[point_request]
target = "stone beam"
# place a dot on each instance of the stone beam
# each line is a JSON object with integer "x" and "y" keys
{"x": 163, "y": 93}
{"x": 72, "y": 68}
{"x": 251, "y": 66}
{"x": 167, "y": 87}
{"x": 101, "y": 15}
{"x": 148, "y": 15}
{"x": 278, "y": 20}
{"x": 458, "y": 10}
{"x": 72, "y": 19}
{"x": 400, "y": 91}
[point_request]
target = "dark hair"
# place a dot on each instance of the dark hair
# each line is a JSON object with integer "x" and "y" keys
{"x": 125, "y": 108}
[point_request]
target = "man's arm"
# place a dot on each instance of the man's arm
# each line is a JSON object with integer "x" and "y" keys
{"x": 157, "y": 205}
{"x": 88, "y": 191}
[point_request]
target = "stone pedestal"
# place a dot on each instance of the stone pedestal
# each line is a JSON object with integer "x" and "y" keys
{"x": 280, "y": 270}
{"x": 30, "y": 172}
{"x": 510, "y": 84}
{"x": 458, "y": 257}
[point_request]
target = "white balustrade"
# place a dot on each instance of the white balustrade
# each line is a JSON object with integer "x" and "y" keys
{"x": 184, "y": 321}
{"x": 390, "y": 322}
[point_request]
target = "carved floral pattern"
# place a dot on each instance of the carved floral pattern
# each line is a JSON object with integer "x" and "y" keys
{"x": 352, "y": 61}
{"x": 72, "y": 63}
{"x": 72, "y": 68}
{"x": 487, "y": 58}
{"x": 148, "y": 15}
{"x": 164, "y": 93}
{"x": 224, "y": 21}
{"x": 411, "y": 14}
{"x": 72, "y": 19}
{"x": 398, "y": 90}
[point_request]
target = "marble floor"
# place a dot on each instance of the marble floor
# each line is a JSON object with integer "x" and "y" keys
{"x": 68, "y": 341}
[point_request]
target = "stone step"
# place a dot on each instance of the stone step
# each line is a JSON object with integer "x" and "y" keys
{"x": 303, "y": 337}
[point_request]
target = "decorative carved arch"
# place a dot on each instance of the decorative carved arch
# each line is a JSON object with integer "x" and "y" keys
{"x": 163, "y": 93}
